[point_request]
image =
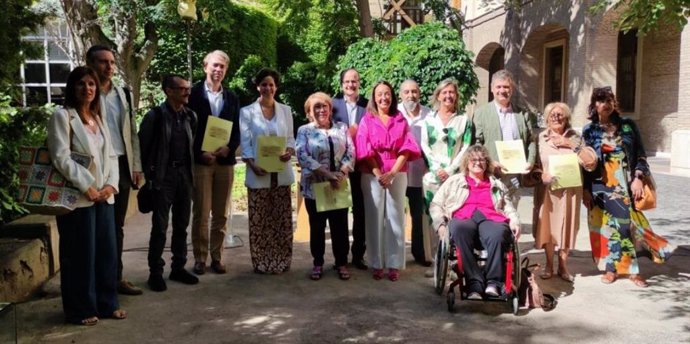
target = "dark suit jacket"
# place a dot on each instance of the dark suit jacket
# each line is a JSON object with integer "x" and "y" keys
{"x": 198, "y": 101}
{"x": 340, "y": 109}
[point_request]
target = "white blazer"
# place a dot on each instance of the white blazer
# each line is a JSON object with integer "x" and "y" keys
{"x": 252, "y": 125}
{"x": 67, "y": 134}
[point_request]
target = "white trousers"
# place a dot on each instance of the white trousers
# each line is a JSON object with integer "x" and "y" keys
{"x": 385, "y": 221}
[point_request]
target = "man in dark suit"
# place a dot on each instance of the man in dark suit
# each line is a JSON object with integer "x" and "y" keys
{"x": 213, "y": 170}
{"x": 349, "y": 107}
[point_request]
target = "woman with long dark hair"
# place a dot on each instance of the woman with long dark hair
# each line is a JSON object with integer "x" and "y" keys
{"x": 88, "y": 258}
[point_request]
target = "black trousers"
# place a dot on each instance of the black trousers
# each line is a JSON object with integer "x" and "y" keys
{"x": 493, "y": 236}
{"x": 358, "y": 230}
{"x": 337, "y": 222}
{"x": 121, "y": 203}
{"x": 175, "y": 193}
{"x": 415, "y": 198}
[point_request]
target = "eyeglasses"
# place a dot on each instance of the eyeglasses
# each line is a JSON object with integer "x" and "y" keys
{"x": 478, "y": 161}
{"x": 604, "y": 88}
{"x": 181, "y": 88}
{"x": 556, "y": 115}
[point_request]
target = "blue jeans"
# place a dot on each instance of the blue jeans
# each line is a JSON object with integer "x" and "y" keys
{"x": 88, "y": 262}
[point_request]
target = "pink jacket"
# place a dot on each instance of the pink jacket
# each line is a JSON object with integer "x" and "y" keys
{"x": 384, "y": 143}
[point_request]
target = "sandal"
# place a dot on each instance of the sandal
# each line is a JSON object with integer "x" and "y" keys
{"x": 343, "y": 273}
{"x": 89, "y": 321}
{"x": 378, "y": 274}
{"x": 608, "y": 278}
{"x": 566, "y": 276}
{"x": 316, "y": 273}
{"x": 119, "y": 314}
{"x": 639, "y": 281}
{"x": 393, "y": 274}
{"x": 546, "y": 274}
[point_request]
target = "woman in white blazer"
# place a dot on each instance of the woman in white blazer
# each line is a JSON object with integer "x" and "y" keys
{"x": 88, "y": 256}
{"x": 270, "y": 200}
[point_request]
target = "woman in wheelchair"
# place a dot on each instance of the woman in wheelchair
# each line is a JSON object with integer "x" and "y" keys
{"x": 473, "y": 207}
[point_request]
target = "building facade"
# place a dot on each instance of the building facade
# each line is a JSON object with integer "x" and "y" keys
{"x": 558, "y": 51}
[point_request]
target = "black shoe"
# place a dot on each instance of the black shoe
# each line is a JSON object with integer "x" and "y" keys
{"x": 359, "y": 264}
{"x": 156, "y": 282}
{"x": 183, "y": 276}
{"x": 423, "y": 263}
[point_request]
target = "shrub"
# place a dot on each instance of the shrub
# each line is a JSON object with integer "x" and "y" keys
{"x": 427, "y": 53}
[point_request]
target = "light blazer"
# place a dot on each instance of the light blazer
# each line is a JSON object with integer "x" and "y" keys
{"x": 129, "y": 133}
{"x": 65, "y": 123}
{"x": 252, "y": 125}
{"x": 488, "y": 130}
{"x": 340, "y": 113}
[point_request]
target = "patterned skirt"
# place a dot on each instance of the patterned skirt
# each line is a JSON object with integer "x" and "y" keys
{"x": 270, "y": 229}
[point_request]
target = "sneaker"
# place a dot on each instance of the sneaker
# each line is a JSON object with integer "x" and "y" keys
{"x": 199, "y": 268}
{"x": 125, "y": 287}
{"x": 218, "y": 267}
{"x": 491, "y": 290}
{"x": 183, "y": 276}
{"x": 156, "y": 282}
{"x": 474, "y": 296}
{"x": 429, "y": 273}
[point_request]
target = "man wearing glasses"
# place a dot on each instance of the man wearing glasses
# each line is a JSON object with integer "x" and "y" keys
{"x": 166, "y": 137}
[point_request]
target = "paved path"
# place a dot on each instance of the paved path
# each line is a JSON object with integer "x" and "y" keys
{"x": 242, "y": 307}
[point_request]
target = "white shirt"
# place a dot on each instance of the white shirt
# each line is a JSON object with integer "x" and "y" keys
{"x": 111, "y": 108}
{"x": 509, "y": 127}
{"x": 215, "y": 99}
{"x": 351, "y": 112}
{"x": 415, "y": 168}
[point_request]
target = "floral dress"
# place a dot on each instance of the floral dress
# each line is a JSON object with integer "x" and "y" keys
{"x": 443, "y": 146}
{"x": 615, "y": 226}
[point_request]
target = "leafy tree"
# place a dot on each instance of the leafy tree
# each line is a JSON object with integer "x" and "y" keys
{"x": 18, "y": 21}
{"x": 427, "y": 53}
{"x": 647, "y": 15}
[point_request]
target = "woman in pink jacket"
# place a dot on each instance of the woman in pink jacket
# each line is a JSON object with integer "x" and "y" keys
{"x": 384, "y": 144}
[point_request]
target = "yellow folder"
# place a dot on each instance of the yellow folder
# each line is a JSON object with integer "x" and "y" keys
{"x": 269, "y": 149}
{"x": 566, "y": 169}
{"x": 217, "y": 134}
{"x": 329, "y": 198}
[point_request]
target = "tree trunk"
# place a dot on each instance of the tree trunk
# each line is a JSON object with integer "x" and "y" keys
{"x": 366, "y": 27}
{"x": 85, "y": 28}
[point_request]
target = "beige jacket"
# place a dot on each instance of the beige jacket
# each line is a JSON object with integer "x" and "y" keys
{"x": 454, "y": 192}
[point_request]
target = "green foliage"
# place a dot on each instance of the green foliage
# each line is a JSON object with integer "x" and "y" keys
{"x": 427, "y": 53}
{"x": 238, "y": 30}
{"x": 242, "y": 83}
{"x": 18, "y": 127}
{"x": 647, "y": 15}
{"x": 18, "y": 20}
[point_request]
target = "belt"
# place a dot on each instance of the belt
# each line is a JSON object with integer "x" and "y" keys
{"x": 178, "y": 163}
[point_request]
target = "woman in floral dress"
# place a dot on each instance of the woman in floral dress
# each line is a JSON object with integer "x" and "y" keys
{"x": 610, "y": 191}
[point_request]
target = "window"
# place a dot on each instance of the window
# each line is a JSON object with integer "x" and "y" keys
{"x": 396, "y": 20}
{"x": 554, "y": 71}
{"x": 45, "y": 77}
{"x": 626, "y": 72}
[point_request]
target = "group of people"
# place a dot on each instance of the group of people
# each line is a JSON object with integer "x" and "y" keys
{"x": 385, "y": 149}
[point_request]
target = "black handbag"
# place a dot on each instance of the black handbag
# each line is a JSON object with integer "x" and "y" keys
{"x": 145, "y": 198}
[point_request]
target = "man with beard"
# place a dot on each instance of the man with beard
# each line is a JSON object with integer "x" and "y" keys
{"x": 501, "y": 120}
{"x": 415, "y": 113}
{"x": 349, "y": 107}
{"x": 166, "y": 137}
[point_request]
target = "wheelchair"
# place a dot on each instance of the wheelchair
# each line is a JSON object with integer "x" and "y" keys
{"x": 447, "y": 262}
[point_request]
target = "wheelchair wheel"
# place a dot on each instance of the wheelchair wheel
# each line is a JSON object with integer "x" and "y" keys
{"x": 441, "y": 266}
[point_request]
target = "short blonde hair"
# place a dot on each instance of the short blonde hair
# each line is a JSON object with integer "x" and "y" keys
{"x": 308, "y": 104}
{"x": 435, "y": 104}
{"x": 218, "y": 53}
{"x": 476, "y": 150}
{"x": 563, "y": 106}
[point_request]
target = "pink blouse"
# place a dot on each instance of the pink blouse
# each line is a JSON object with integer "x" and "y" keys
{"x": 384, "y": 143}
{"x": 479, "y": 199}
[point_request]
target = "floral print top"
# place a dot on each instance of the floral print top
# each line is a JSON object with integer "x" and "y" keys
{"x": 313, "y": 151}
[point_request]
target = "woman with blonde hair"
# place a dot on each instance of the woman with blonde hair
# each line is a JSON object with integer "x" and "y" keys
{"x": 326, "y": 154}
{"x": 559, "y": 214}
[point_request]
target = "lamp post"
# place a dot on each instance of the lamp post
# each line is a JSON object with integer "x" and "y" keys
{"x": 187, "y": 11}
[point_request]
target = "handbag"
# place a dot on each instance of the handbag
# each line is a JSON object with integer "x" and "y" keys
{"x": 529, "y": 293}
{"x": 648, "y": 200}
{"x": 145, "y": 198}
{"x": 42, "y": 189}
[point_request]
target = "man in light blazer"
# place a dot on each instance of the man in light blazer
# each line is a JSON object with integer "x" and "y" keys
{"x": 501, "y": 120}
{"x": 117, "y": 110}
{"x": 349, "y": 107}
{"x": 213, "y": 171}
